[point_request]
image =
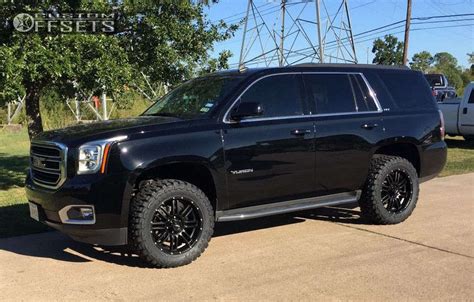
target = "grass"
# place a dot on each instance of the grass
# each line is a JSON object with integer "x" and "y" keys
{"x": 460, "y": 156}
{"x": 14, "y": 148}
{"x": 14, "y": 214}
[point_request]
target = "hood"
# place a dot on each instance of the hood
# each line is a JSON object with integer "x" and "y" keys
{"x": 107, "y": 129}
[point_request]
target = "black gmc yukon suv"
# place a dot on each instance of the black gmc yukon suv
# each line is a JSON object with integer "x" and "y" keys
{"x": 237, "y": 145}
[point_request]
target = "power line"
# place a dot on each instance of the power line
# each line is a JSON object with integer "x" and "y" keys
{"x": 388, "y": 29}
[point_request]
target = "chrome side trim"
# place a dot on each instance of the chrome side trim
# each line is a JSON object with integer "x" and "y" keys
{"x": 65, "y": 219}
{"x": 62, "y": 163}
{"x": 226, "y": 119}
{"x": 287, "y": 206}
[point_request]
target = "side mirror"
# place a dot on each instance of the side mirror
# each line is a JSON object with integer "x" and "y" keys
{"x": 246, "y": 109}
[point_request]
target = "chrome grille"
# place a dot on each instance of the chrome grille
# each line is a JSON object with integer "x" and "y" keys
{"x": 48, "y": 164}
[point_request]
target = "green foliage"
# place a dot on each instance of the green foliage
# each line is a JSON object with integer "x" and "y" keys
{"x": 388, "y": 51}
{"x": 443, "y": 59}
{"x": 422, "y": 61}
{"x": 471, "y": 57}
{"x": 446, "y": 64}
{"x": 162, "y": 42}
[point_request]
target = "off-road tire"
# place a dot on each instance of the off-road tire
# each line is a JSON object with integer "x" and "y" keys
{"x": 370, "y": 201}
{"x": 150, "y": 197}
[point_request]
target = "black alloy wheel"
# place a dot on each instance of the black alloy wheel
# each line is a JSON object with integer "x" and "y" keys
{"x": 397, "y": 189}
{"x": 171, "y": 222}
{"x": 176, "y": 225}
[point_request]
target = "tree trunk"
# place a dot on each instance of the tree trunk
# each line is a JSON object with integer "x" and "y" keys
{"x": 32, "y": 108}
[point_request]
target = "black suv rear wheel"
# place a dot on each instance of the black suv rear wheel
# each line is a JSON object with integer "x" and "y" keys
{"x": 391, "y": 190}
{"x": 171, "y": 223}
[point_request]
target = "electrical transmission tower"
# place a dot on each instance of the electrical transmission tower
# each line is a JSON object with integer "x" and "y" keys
{"x": 297, "y": 32}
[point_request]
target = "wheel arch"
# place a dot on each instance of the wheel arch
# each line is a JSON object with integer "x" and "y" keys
{"x": 196, "y": 171}
{"x": 406, "y": 148}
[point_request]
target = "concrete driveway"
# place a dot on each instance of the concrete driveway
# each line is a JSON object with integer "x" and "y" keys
{"x": 327, "y": 253}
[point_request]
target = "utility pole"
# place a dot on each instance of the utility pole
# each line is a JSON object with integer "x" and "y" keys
{"x": 282, "y": 34}
{"x": 407, "y": 33}
{"x": 320, "y": 40}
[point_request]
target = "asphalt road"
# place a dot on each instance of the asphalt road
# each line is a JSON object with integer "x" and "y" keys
{"x": 327, "y": 253}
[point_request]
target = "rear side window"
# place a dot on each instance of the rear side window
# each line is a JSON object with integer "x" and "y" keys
{"x": 339, "y": 93}
{"x": 471, "y": 98}
{"x": 279, "y": 95}
{"x": 364, "y": 99}
{"x": 408, "y": 90}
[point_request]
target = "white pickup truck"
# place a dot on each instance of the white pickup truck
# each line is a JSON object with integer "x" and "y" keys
{"x": 459, "y": 114}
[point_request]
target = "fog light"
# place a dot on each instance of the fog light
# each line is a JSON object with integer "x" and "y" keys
{"x": 77, "y": 215}
{"x": 87, "y": 213}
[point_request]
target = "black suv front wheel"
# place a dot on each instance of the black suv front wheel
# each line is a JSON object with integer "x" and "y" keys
{"x": 391, "y": 190}
{"x": 171, "y": 223}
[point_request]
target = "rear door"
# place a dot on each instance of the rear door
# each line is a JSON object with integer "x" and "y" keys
{"x": 270, "y": 158}
{"x": 466, "y": 114}
{"x": 347, "y": 125}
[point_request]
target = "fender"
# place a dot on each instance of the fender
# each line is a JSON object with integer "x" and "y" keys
{"x": 149, "y": 154}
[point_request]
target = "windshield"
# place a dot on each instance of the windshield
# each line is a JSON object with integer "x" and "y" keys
{"x": 434, "y": 79}
{"x": 196, "y": 97}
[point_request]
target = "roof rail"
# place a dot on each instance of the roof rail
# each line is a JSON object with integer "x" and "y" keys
{"x": 350, "y": 65}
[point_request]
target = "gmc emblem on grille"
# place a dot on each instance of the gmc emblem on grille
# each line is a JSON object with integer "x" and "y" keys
{"x": 38, "y": 162}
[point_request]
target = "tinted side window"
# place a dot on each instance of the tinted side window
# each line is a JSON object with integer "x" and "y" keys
{"x": 409, "y": 90}
{"x": 364, "y": 99}
{"x": 279, "y": 95}
{"x": 332, "y": 93}
{"x": 471, "y": 98}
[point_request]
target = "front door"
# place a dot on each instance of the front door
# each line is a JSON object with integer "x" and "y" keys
{"x": 270, "y": 158}
{"x": 466, "y": 116}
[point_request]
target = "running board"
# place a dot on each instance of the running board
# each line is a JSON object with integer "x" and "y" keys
{"x": 287, "y": 206}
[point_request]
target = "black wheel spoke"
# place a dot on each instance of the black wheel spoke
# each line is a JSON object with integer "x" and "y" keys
{"x": 162, "y": 213}
{"x": 190, "y": 224}
{"x": 385, "y": 199}
{"x": 160, "y": 225}
{"x": 162, "y": 237}
{"x": 187, "y": 210}
{"x": 174, "y": 206}
{"x": 186, "y": 238}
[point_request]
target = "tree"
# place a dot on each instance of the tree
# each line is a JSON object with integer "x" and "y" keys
{"x": 161, "y": 42}
{"x": 388, "y": 51}
{"x": 445, "y": 59}
{"x": 422, "y": 61}
{"x": 447, "y": 64}
{"x": 471, "y": 57}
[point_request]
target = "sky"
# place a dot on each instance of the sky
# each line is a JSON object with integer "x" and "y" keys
{"x": 455, "y": 37}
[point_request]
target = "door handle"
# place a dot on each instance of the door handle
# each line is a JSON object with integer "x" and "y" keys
{"x": 299, "y": 132}
{"x": 369, "y": 126}
{"x": 464, "y": 110}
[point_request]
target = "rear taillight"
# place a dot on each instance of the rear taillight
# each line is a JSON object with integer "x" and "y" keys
{"x": 442, "y": 129}
{"x": 434, "y": 92}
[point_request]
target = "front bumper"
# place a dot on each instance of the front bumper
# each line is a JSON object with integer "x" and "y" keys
{"x": 115, "y": 236}
{"x": 105, "y": 193}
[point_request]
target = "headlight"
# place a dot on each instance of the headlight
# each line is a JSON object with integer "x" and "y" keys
{"x": 93, "y": 155}
{"x": 90, "y": 159}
